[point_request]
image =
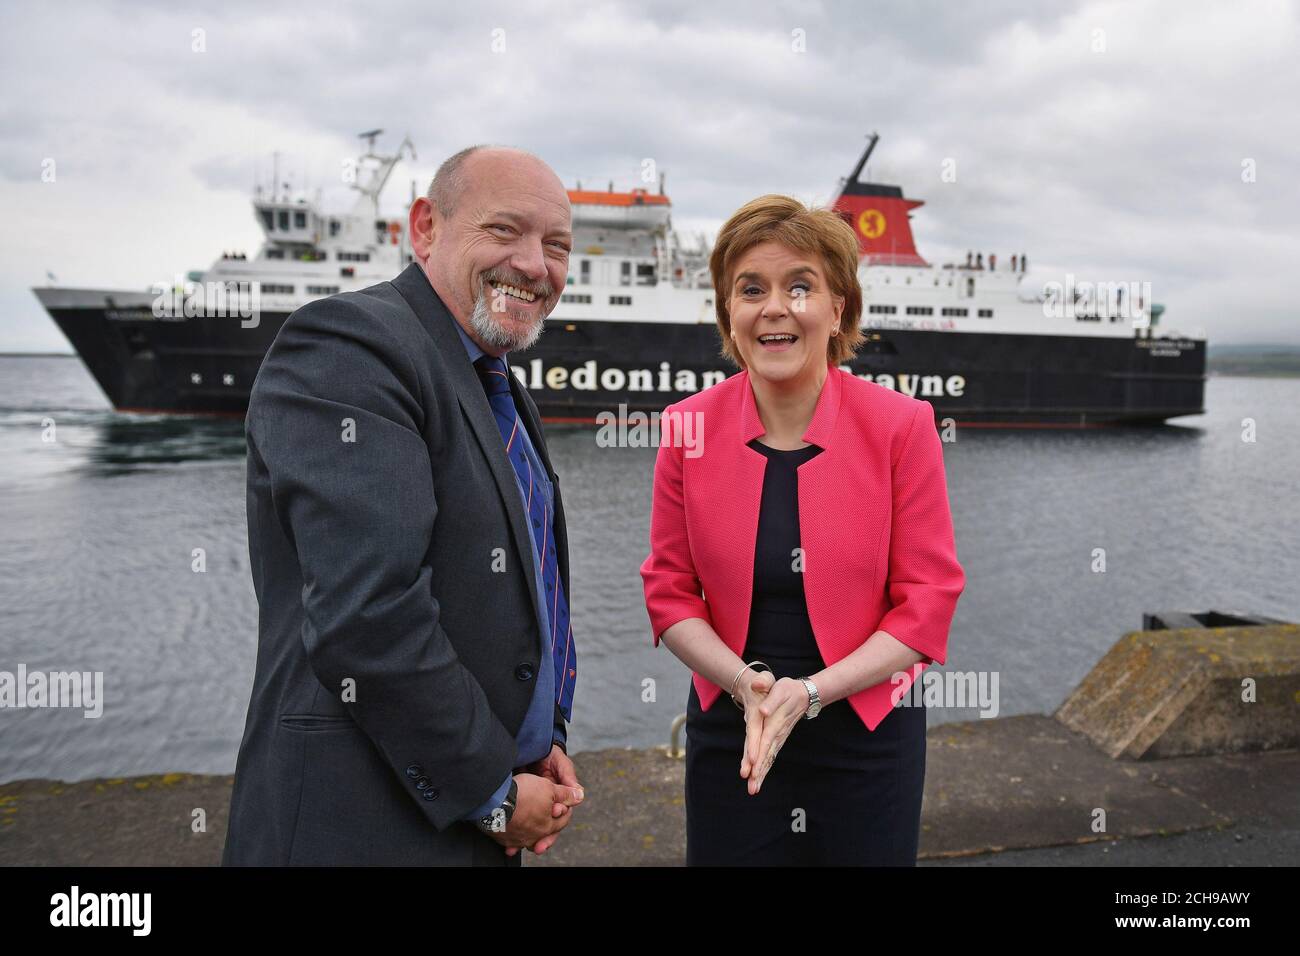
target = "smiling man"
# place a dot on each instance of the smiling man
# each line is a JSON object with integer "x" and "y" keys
{"x": 416, "y": 665}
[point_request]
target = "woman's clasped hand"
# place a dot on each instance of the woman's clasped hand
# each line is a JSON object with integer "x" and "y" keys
{"x": 772, "y": 709}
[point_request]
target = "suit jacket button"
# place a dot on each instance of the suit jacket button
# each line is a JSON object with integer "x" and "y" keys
{"x": 524, "y": 671}
{"x": 423, "y": 782}
{"x": 431, "y": 793}
{"x": 414, "y": 770}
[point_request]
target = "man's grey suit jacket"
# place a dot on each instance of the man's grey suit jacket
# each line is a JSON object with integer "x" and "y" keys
{"x": 396, "y": 659}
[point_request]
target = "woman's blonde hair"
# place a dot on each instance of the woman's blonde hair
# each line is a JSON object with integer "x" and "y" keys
{"x": 817, "y": 232}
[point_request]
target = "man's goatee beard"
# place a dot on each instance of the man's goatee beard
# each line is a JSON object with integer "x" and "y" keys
{"x": 495, "y": 336}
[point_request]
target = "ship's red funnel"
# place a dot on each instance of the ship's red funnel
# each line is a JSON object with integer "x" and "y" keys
{"x": 880, "y": 217}
{"x": 883, "y": 226}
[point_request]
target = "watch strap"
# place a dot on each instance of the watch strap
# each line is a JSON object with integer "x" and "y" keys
{"x": 499, "y": 818}
{"x": 814, "y": 699}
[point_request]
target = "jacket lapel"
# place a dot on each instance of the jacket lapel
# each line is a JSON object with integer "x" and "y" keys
{"x": 735, "y": 497}
{"x": 414, "y": 287}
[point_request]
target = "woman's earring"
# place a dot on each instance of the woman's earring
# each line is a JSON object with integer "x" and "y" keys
{"x": 835, "y": 331}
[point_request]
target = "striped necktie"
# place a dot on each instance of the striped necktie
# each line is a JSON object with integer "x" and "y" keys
{"x": 496, "y": 382}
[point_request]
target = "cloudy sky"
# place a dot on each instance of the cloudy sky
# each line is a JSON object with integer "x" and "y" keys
{"x": 1127, "y": 141}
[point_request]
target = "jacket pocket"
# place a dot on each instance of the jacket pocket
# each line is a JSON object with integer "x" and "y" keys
{"x": 317, "y": 723}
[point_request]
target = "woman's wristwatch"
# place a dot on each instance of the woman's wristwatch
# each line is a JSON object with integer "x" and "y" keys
{"x": 814, "y": 700}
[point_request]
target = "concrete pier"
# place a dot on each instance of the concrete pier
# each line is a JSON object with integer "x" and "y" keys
{"x": 1190, "y": 691}
{"x": 1063, "y": 789}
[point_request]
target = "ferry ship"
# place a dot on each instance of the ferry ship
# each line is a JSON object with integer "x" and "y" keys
{"x": 635, "y": 326}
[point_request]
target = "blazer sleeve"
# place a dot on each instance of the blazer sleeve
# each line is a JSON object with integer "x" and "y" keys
{"x": 672, "y": 588}
{"x": 924, "y": 578}
{"x": 336, "y": 417}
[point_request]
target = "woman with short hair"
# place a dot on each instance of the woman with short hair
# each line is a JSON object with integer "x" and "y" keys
{"x": 802, "y": 563}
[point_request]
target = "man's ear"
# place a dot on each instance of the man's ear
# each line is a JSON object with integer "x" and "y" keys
{"x": 422, "y": 224}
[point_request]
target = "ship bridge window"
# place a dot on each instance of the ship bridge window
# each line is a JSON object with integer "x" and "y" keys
{"x": 275, "y": 253}
{"x": 961, "y": 313}
{"x": 268, "y": 220}
{"x": 272, "y": 288}
{"x": 986, "y": 313}
{"x": 284, "y": 220}
{"x": 299, "y": 219}
{"x": 577, "y": 298}
{"x": 645, "y": 274}
{"x": 322, "y": 290}
{"x": 353, "y": 256}
{"x": 620, "y": 300}
{"x": 920, "y": 310}
{"x": 883, "y": 309}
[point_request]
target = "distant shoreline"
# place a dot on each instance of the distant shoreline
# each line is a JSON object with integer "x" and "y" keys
{"x": 1254, "y": 373}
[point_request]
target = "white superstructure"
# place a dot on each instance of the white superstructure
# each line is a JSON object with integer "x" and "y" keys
{"x": 629, "y": 265}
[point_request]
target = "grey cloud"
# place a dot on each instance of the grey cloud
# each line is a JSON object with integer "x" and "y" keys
{"x": 1124, "y": 161}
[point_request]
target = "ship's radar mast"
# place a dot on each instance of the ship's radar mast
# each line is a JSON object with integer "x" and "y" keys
{"x": 856, "y": 175}
{"x": 298, "y": 229}
{"x": 375, "y": 169}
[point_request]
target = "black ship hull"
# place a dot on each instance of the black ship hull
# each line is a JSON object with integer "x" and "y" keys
{"x": 583, "y": 371}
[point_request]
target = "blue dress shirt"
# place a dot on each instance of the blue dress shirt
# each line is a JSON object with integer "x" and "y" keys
{"x": 540, "y": 728}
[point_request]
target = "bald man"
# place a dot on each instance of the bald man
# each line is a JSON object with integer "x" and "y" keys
{"x": 416, "y": 665}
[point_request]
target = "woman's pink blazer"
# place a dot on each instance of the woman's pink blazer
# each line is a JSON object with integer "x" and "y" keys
{"x": 874, "y": 523}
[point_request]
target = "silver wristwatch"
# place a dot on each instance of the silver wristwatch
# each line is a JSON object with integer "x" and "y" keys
{"x": 814, "y": 700}
{"x": 499, "y": 818}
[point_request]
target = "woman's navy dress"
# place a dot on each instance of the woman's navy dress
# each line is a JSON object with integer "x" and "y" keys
{"x": 838, "y": 794}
